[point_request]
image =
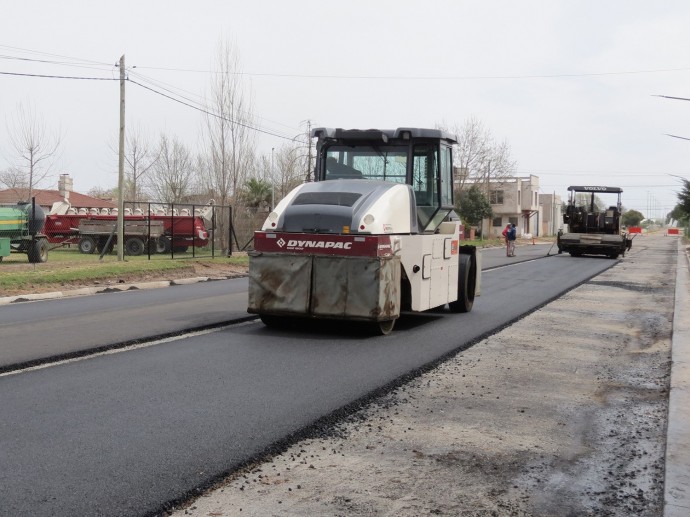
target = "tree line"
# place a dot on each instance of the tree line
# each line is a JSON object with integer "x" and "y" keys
{"x": 681, "y": 212}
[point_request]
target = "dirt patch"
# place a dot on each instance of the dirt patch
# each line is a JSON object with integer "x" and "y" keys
{"x": 563, "y": 413}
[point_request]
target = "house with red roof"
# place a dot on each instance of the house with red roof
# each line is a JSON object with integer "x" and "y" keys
{"x": 46, "y": 198}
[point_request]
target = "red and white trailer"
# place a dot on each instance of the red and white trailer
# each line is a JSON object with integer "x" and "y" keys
{"x": 179, "y": 232}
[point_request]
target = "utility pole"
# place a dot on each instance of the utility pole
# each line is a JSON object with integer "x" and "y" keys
{"x": 271, "y": 176}
{"x": 121, "y": 169}
{"x": 488, "y": 198}
{"x": 309, "y": 150}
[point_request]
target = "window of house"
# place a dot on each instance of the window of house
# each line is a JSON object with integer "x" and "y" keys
{"x": 496, "y": 197}
{"x": 513, "y": 220}
{"x": 498, "y": 221}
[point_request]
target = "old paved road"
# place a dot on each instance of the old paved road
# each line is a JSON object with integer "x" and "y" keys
{"x": 126, "y": 432}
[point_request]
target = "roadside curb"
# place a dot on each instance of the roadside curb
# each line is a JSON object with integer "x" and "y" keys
{"x": 677, "y": 479}
{"x": 112, "y": 288}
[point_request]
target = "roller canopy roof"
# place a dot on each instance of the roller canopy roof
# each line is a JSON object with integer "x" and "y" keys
{"x": 382, "y": 134}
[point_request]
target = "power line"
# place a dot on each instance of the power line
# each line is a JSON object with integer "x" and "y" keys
{"x": 676, "y": 136}
{"x": 207, "y": 112}
{"x": 82, "y": 60}
{"x": 186, "y": 102}
{"x": 374, "y": 77}
{"x": 169, "y": 89}
{"x": 549, "y": 172}
{"x": 669, "y": 97}
{"x": 199, "y": 106}
{"x": 435, "y": 78}
{"x": 201, "y": 102}
{"x": 60, "y": 63}
{"x": 46, "y": 76}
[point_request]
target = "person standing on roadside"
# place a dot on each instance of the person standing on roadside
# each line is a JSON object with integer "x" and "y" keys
{"x": 511, "y": 235}
{"x": 505, "y": 238}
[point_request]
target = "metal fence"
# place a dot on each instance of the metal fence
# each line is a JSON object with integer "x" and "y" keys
{"x": 246, "y": 222}
{"x": 156, "y": 229}
{"x": 178, "y": 230}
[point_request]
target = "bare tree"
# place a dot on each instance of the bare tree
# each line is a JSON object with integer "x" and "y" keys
{"x": 103, "y": 193}
{"x": 289, "y": 166}
{"x": 35, "y": 149}
{"x": 14, "y": 178}
{"x": 478, "y": 156}
{"x": 227, "y": 132}
{"x": 171, "y": 177}
{"x": 139, "y": 158}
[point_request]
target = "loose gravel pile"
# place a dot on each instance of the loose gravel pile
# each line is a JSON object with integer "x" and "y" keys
{"x": 562, "y": 413}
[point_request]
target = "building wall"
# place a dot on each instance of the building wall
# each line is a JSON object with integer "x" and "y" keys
{"x": 552, "y": 213}
{"x": 531, "y": 213}
{"x": 520, "y": 204}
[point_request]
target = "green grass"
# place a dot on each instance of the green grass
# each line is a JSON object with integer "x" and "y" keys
{"x": 68, "y": 266}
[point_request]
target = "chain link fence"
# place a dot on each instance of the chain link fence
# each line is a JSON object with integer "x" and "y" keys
{"x": 156, "y": 229}
{"x": 246, "y": 222}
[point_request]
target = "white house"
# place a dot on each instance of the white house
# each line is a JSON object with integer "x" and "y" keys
{"x": 552, "y": 213}
{"x": 514, "y": 200}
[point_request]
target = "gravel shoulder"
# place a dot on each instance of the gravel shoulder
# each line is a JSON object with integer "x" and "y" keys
{"x": 562, "y": 413}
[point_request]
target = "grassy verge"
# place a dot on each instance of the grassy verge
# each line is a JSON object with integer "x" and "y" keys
{"x": 68, "y": 267}
{"x": 492, "y": 243}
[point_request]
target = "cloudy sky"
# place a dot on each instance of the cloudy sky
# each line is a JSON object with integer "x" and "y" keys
{"x": 571, "y": 85}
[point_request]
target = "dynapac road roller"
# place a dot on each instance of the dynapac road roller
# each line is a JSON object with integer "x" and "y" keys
{"x": 374, "y": 235}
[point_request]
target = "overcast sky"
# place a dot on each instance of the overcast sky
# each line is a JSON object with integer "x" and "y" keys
{"x": 570, "y": 85}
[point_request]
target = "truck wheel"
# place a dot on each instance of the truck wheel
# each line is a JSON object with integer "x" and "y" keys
{"x": 275, "y": 322}
{"x": 467, "y": 284}
{"x": 38, "y": 251}
{"x": 162, "y": 244}
{"x": 87, "y": 245}
{"x": 134, "y": 246}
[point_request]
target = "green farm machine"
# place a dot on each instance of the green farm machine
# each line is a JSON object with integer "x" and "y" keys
{"x": 20, "y": 231}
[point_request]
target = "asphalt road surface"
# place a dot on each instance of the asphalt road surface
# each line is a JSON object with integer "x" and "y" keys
{"x": 35, "y": 332}
{"x": 572, "y": 410}
{"x": 126, "y": 433}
